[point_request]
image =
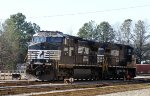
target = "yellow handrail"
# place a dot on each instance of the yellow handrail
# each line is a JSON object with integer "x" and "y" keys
{"x": 105, "y": 65}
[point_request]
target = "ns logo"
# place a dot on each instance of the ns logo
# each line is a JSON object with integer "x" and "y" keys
{"x": 41, "y": 55}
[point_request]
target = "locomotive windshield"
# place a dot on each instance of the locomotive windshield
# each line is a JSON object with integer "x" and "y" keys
{"x": 38, "y": 39}
{"x": 47, "y": 39}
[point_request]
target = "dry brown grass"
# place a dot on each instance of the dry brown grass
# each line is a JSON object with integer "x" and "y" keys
{"x": 100, "y": 90}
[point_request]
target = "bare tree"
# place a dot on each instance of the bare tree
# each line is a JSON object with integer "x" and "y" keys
{"x": 127, "y": 31}
{"x": 118, "y": 35}
{"x": 141, "y": 36}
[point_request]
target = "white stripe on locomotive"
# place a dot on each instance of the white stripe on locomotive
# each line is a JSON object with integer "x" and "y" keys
{"x": 44, "y": 54}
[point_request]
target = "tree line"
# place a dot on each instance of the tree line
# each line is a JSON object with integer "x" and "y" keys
{"x": 135, "y": 34}
{"x": 16, "y": 32}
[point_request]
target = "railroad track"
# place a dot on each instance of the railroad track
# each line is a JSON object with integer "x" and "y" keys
{"x": 22, "y": 87}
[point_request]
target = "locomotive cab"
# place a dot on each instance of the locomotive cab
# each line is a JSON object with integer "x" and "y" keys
{"x": 44, "y": 52}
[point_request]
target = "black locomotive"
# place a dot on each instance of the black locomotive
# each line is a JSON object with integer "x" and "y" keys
{"x": 53, "y": 55}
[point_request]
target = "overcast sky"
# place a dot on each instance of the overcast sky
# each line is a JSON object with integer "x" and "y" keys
{"x": 69, "y": 15}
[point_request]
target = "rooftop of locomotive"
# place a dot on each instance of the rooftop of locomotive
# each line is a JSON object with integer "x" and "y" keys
{"x": 58, "y": 34}
{"x": 48, "y": 34}
{"x": 61, "y": 34}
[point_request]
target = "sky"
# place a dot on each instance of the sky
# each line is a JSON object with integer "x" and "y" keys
{"x": 68, "y": 16}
